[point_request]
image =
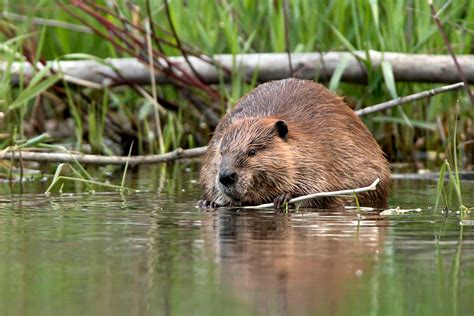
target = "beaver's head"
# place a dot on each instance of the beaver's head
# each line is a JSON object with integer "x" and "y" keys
{"x": 255, "y": 161}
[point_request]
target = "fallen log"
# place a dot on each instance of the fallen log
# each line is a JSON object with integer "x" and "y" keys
{"x": 269, "y": 66}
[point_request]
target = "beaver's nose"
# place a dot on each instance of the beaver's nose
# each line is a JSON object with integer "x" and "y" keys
{"x": 227, "y": 177}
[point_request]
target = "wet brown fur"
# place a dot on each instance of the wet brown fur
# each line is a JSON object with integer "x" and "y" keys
{"x": 327, "y": 148}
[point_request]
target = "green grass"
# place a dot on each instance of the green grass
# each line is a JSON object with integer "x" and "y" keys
{"x": 108, "y": 121}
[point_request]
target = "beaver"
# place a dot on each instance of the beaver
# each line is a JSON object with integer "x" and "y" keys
{"x": 289, "y": 138}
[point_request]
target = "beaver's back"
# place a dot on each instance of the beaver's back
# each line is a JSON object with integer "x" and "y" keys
{"x": 311, "y": 111}
{"x": 292, "y": 99}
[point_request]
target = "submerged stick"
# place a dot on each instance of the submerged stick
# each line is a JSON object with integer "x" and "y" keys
{"x": 371, "y": 187}
{"x": 104, "y": 160}
{"x": 407, "y": 99}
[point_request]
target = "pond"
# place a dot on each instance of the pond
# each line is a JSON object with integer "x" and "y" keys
{"x": 155, "y": 253}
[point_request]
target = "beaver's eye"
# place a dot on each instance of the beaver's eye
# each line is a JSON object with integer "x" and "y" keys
{"x": 252, "y": 152}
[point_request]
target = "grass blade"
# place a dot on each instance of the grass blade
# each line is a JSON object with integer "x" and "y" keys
{"x": 440, "y": 186}
{"x": 126, "y": 167}
{"x": 32, "y": 142}
{"x": 33, "y": 91}
{"x": 389, "y": 79}
{"x": 387, "y": 72}
{"x": 336, "y": 77}
{"x": 55, "y": 178}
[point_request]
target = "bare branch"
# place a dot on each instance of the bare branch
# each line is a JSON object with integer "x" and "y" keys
{"x": 371, "y": 187}
{"x": 270, "y": 66}
{"x": 407, "y": 99}
{"x": 103, "y": 160}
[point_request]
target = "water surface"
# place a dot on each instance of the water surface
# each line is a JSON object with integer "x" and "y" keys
{"x": 154, "y": 253}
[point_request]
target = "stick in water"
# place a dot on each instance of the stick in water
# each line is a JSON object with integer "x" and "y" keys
{"x": 371, "y": 187}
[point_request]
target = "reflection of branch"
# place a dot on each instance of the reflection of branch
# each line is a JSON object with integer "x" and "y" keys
{"x": 371, "y": 187}
{"x": 104, "y": 160}
{"x": 409, "y": 98}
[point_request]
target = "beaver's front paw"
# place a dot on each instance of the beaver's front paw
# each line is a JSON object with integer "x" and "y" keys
{"x": 207, "y": 204}
{"x": 281, "y": 200}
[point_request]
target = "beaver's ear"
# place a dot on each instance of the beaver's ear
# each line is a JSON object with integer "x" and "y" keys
{"x": 282, "y": 129}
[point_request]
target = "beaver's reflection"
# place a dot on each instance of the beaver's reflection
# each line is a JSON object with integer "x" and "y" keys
{"x": 296, "y": 263}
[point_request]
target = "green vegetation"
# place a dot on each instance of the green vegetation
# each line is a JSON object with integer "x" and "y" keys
{"x": 450, "y": 193}
{"x": 153, "y": 252}
{"x": 107, "y": 121}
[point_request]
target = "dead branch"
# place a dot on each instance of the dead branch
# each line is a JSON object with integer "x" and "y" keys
{"x": 103, "y": 160}
{"x": 371, "y": 187}
{"x": 407, "y": 99}
{"x": 269, "y": 66}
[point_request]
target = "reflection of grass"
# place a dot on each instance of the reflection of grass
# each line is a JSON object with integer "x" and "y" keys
{"x": 450, "y": 202}
{"x": 454, "y": 277}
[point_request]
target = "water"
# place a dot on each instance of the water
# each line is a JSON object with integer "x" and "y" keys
{"x": 154, "y": 253}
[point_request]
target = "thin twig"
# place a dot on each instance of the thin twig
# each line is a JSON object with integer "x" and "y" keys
{"x": 409, "y": 98}
{"x": 174, "y": 78}
{"x": 190, "y": 49}
{"x": 82, "y": 82}
{"x": 129, "y": 47}
{"x": 371, "y": 187}
{"x": 450, "y": 49}
{"x": 121, "y": 33}
{"x": 178, "y": 41}
{"x": 287, "y": 36}
{"x": 151, "y": 99}
{"x": 47, "y": 22}
{"x": 153, "y": 86}
{"x": 153, "y": 32}
{"x": 120, "y": 79}
{"x": 103, "y": 160}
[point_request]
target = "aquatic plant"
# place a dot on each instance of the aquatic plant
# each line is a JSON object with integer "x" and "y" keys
{"x": 107, "y": 119}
